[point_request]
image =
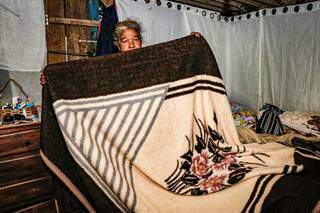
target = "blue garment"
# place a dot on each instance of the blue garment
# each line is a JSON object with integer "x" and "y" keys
{"x": 105, "y": 40}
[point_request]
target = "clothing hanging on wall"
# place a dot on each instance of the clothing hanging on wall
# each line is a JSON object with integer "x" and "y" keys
{"x": 105, "y": 39}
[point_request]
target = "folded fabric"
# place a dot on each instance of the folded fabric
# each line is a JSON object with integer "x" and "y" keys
{"x": 307, "y": 122}
{"x": 269, "y": 121}
{"x": 247, "y": 135}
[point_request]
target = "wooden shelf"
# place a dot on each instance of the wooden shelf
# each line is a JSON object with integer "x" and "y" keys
{"x": 71, "y": 21}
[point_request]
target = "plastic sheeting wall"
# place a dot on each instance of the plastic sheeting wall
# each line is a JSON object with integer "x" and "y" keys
{"x": 22, "y": 34}
{"x": 269, "y": 56}
{"x": 22, "y": 45}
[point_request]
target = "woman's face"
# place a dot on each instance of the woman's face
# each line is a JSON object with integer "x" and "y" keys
{"x": 129, "y": 40}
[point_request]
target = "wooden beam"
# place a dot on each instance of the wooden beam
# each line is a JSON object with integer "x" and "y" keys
{"x": 257, "y": 3}
{"x": 275, "y": 3}
{"x": 234, "y": 4}
{"x": 221, "y": 4}
{"x": 71, "y": 21}
{"x": 66, "y": 53}
{"x": 200, "y": 5}
{"x": 211, "y": 7}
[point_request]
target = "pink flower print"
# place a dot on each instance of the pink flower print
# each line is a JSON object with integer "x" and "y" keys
{"x": 199, "y": 166}
{"x": 227, "y": 160}
{"x": 212, "y": 184}
{"x": 230, "y": 158}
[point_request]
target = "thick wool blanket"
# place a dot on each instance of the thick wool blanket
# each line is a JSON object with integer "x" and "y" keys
{"x": 152, "y": 131}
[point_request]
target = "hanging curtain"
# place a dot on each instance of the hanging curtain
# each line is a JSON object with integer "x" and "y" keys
{"x": 266, "y": 56}
{"x": 159, "y": 24}
{"x": 290, "y": 60}
{"x": 22, "y": 35}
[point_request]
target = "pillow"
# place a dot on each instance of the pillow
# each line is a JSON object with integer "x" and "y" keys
{"x": 307, "y": 122}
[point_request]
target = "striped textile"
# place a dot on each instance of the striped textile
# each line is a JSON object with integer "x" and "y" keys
{"x": 269, "y": 121}
{"x": 152, "y": 131}
{"x": 101, "y": 121}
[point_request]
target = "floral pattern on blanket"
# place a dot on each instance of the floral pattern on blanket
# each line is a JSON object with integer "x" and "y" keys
{"x": 306, "y": 122}
{"x": 209, "y": 165}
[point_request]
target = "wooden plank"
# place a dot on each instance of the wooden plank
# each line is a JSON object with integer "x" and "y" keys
{"x": 73, "y": 58}
{"x": 74, "y": 34}
{"x": 55, "y": 37}
{"x": 234, "y": 4}
{"x": 257, "y": 4}
{"x": 220, "y": 3}
{"x": 72, "y": 21}
{"x": 19, "y": 142}
{"x": 55, "y": 34}
{"x": 271, "y": 3}
{"x": 54, "y": 8}
{"x": 19, "y": 191}
{"x": 77, "y": 9}
{"x": 200, "y": 5}
{"x": 65, "y": 33}
{"x": 253, "y": 3}
{"x": 7, "y": 129}
{"x": 55, "y": 58}
{"x": 20, "y": 155}
{"x": 19, "y": 206}
{"x": 48, "y": 206}
{"x": 22, "y": 166}
{"x": 67, "y": 53}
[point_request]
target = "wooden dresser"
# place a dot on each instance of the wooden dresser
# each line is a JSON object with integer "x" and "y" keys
{"x": 25, "y": 185}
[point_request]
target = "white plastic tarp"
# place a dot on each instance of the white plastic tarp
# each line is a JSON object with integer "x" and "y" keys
{"x": 22, "y": 35}
{"x": 264, "y": 57}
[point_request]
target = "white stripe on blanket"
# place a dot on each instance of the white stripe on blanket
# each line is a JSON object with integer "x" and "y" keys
{"x": 96, "y": 135}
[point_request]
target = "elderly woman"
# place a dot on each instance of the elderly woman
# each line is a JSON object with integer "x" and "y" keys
{"x": 127, "y": 35}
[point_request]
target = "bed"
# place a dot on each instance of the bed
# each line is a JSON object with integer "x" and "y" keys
{"x": 304, "y": 125}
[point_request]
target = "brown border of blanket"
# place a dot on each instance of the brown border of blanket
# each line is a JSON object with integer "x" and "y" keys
{"x": 126, "y": 71}
{"x": 67, "y": 182}
{"x": 53, "y": 147}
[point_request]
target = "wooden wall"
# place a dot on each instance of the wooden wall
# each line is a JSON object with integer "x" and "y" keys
{"x": 67, "y": 24}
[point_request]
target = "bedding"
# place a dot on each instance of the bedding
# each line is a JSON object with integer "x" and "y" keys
{"x": 306, "y": 122}
{"x": 247, "y": 135}
{"x": 151, "y": 130}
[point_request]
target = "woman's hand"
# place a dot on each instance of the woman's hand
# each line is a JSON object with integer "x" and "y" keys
{"x": 42, "y": 79}
{"x": 196, "y": 34}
